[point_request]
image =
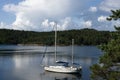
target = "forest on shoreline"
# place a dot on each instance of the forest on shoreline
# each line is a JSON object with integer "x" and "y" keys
{"x": 81, "y": 37}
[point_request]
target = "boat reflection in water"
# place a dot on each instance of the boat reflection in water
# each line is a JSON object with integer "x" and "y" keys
{"x": 59, "y": 76}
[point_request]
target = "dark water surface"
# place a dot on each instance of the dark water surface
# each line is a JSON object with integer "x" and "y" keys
{"x": 24, "y": 62}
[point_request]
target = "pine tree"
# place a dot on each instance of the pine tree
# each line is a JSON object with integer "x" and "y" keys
{"x": 108, "y": 67}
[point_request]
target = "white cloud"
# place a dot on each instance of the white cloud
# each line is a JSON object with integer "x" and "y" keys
{"x": 66, "y": 23}
{"x": 102, "y": 18}
{"x": 107, "y": 5}
{"x": 63, "y": 24}
{"x": 44, "y": 7}
{"x": 31, "y": 13}
{"x": 40, "y": 15}
{"x": 48, "y": 25}
{"x": 93, "y": 9}
{"x": 87, "y": 24}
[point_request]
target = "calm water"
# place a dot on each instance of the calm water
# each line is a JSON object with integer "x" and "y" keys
{"x": 24, "y": 62}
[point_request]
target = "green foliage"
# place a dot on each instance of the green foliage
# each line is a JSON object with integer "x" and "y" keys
{"x": 82, "y": 37}
{"x": 109, "y": 63}
{"x": 115, "y": 15}
{"x": 99, "y": 72}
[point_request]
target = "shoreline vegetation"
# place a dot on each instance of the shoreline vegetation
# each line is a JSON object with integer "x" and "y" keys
{"x": 108, "y": 66}
{"x": 82, "y": 37}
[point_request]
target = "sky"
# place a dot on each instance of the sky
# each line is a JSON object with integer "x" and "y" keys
{"x": 43, "y": 15}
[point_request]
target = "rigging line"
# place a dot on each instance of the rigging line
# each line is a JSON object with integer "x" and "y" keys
{"x": 46, "y": 48}
{"x": 44, "y": 54}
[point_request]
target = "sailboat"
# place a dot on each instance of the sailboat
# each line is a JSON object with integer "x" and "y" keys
{"x": 65, "y": 67}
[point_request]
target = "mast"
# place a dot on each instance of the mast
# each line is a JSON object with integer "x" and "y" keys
{"x": 72, "y": 49}
{"x": 55, "y": 41}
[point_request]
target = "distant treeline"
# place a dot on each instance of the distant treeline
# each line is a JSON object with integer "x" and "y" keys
{"x": 81, "y": 37}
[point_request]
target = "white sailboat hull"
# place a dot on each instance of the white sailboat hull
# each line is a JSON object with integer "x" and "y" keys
{"x": 63, "y": 69}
